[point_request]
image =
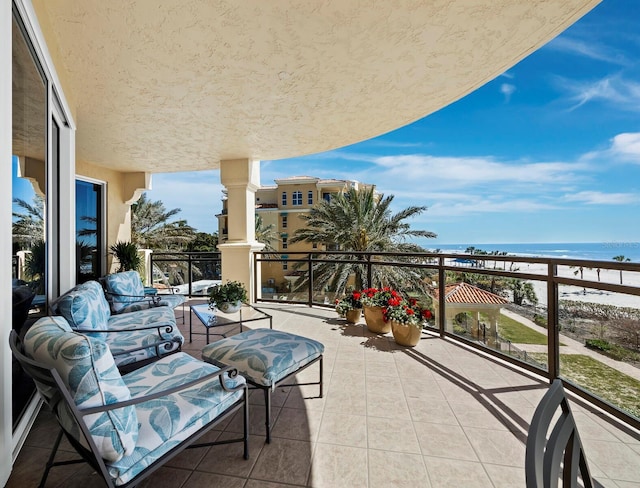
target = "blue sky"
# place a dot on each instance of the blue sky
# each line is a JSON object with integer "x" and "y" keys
{"x": 547, "y": 152}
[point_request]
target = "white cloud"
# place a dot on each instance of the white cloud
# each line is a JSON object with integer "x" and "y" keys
{"x": 624, "y": 148}
{"x": 438, "y": 171}
{"x": 600, "y": 198}
{"x": 590, "y": 50}
{"x": 614, "y": 90}
{"x": 507, "y": 90}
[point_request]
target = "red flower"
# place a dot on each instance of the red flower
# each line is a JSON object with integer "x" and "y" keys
{"x": 410, "y": 311}
{"x": 356, "y": 295}
{"x": 426, "y": 314}
{"x": 413, "y": 302}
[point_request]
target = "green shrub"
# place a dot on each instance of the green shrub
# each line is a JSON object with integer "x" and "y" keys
{"x": 599, "y": 344}
{"x": 459, "y": 330}
{"x": 540, "y": 320}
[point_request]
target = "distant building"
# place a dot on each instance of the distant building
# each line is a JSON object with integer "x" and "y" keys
{"x": 281, "y": 205}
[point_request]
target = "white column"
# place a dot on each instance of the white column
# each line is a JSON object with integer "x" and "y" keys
{"x": 241, "y": 177}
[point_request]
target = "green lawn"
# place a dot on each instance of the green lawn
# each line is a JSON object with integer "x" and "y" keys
{"x": 519, "y": 333}
{"x": 607, "y": 383}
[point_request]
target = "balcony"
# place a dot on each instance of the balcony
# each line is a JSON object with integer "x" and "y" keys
{"x": 439, "y": 414}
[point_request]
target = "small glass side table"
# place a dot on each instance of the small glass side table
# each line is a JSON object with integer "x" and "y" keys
{"x": 211, "y": 318}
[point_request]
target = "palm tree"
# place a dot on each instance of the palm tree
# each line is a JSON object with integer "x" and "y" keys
{"x": 151, "y": 227}
{"x": 621, "y": 259}
{"x": 28, "y": 226}
{"x": 266, "y": 234}
{"x": 360, "y": 221}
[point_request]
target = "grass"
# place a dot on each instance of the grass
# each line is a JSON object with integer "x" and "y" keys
{"x": 519, "y": 333}
{"x": 609, "y": 384}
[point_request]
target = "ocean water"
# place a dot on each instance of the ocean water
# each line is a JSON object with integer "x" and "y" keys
{"x": 594, "y": 251}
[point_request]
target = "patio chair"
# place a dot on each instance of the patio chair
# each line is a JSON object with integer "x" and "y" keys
{"x": 125, "y": 426}
{"x": 132, "y": 337}
{"x": 554, "y": 449}
{"x": 125, "y": 292}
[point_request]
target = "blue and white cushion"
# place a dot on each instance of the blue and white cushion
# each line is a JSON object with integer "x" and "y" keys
{"x": 86, "y": 366}
{"x": 264, "y": 356}
{"x": 123, "y": 289}
{"x": 84, "y": 307}
{"x": 167, "y": 421}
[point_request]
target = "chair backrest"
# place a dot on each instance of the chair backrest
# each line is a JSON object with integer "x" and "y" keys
{"x": 554, "y": 450}
{"x": 122, "y": 289}
{"x": 72, "y": 372}
{"x": 84, "y": 307}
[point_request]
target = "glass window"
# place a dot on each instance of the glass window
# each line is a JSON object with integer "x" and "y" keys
{"x": 284, "y": 198}
{"x": 89, "y": 238}
{"x": 296, "y": 198}
{"x": 310, "y": 197}
{"x": 30, "y": 174}
{"x": 326, "y": 197}
{"x": 285, "y": 244}
{"x": 284, "y": 221}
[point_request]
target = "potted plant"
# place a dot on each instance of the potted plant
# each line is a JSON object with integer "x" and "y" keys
{"x": 127, "y": 255}
{"x": 374, "y": 301}
{"x": 350, "y": 307}
{"x": 227, "y": 297}
{"x": 406, "y": 318}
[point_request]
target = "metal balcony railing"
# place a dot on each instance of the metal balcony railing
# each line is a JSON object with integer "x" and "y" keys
{"x": 576, "y": 316}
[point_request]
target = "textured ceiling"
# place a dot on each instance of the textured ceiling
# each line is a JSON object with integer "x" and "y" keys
{"x": 182, "y": 84}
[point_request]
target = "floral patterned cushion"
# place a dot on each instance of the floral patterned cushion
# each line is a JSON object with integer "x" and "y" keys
{"x": 167, "y": 421}
{"x": 86, "y": 366}
{"x": 264, "y": 356}
{"x": 84, "y": 306}
{"x": 124, "y": 288}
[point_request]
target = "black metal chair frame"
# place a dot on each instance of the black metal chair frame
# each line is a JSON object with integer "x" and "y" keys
{"x": 562, "y": 451}
{"x": 49, "y": 377}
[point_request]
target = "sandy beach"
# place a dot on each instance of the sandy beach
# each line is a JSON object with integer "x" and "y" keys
{"x": 578, "y": 293}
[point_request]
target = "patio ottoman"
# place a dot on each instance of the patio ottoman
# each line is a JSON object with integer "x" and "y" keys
{"x": 266, "y": 357}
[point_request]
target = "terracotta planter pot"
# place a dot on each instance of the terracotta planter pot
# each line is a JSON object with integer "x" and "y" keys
{"x": 374, "y": 320}
{"x": 406, "y": 335}
{"x": 353, "y": 316}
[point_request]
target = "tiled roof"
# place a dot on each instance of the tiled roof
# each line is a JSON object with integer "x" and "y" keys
{"x": 466, "y": 293}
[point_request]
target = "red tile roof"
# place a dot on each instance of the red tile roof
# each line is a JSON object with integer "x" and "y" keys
{"x": 466, "y": 293}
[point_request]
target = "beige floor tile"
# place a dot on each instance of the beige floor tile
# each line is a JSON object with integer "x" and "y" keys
{"x": 617, "y": 461}
{"x": 441, "y": 440}
{"x": 481, "y": 415}
{"x": 297, "y": 423}
{"x": 438, "y": 412}
{"x": 345, "y": 429}
{"x": 205, "y": 480}
{"x": 496, "y": 446}
{"x": 454, "y": 473}
{"x": 228, "y": 459}
{"x": 392, "y": 435}
{"x": 506, "y": 476}
{"x": 284, "y": 461}
{"x": 397, "y": 470}
{"x": 338, "y": 466}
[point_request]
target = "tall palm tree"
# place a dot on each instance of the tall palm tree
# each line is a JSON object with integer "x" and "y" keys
{"x": 152, "y": 228}
{"x": 266, "y": 234}
{"x": 28, "y": 226}
{"x": 359, "y": 220}
{"x": 621, "y": 259}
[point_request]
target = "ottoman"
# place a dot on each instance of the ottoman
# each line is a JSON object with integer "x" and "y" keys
{"x": 265, "y": 357}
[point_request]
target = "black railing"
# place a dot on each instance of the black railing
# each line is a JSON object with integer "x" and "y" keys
{"x": 553, "y": 278}
{"x": 190, "y": 273}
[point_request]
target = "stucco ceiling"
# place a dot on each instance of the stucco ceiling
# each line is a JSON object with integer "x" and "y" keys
{"x": 182, "y": 84}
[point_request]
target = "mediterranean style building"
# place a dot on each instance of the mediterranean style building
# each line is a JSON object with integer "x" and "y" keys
{"x": 281, "y": 206}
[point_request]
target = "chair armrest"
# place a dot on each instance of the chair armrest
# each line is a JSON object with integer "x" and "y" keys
{"x": 153, "y": 300}
{"x": 166, "y": 343}
{"x": 168, "y": 329}
{"x": 233, "y": 372}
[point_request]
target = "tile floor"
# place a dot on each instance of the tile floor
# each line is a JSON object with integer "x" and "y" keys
{"x": 437, "y": 415}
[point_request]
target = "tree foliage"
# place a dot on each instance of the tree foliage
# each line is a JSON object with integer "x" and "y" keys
{"x": 359, "y": 220}
{"x": 152, "y": 227}
{"x": 28, "y": 225}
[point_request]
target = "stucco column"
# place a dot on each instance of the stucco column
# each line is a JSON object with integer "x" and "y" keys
{"x": 241, "y": 178}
